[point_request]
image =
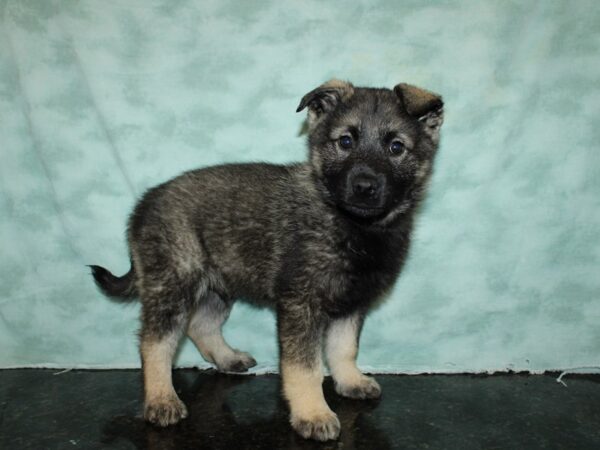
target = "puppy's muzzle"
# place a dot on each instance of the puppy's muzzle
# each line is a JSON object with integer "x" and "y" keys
{"x": 365, "y": 191}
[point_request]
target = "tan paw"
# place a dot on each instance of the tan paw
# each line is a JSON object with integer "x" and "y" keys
{"x": 165, "y": 411}
{"x": 322, "y": 427}
{"x": 239, "y": 362}
{"x": 366, "y": 388}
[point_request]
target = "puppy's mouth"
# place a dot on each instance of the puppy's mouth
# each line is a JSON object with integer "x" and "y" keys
{"x": 362, "y": 211}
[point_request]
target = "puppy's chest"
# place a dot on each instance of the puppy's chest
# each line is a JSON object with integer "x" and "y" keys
{"x": 363, "y": 271}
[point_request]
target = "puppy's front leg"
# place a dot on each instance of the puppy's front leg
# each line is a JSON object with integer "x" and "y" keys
{"x": 342, "y": 349}
{"x": 300, "y": 338}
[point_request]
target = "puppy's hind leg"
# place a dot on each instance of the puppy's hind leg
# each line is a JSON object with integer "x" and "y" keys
{"x": 205, "y": 331}
{"x": 163, "y": 324}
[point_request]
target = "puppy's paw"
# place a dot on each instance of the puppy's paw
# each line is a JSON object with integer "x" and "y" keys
{"x": 239, "y": 362}
{"x": 321, "y": 427}
{"x": 165, "y": 411}
{"x": 366, "y": 388}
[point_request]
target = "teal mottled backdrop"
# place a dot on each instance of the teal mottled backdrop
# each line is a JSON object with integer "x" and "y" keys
{"x": 100, "y": 100}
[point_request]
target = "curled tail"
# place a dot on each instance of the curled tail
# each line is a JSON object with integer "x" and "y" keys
{"x": 122, "y": 288}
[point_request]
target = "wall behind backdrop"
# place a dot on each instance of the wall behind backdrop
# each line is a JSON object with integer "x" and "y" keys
{"x": 102, "y": 100}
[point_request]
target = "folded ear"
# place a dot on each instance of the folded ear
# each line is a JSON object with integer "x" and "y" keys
{"x": 423, "y": 105}
{"x": 325, "y": 98}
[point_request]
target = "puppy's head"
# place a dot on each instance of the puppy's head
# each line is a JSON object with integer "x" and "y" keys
{"x": 371, "y": 150}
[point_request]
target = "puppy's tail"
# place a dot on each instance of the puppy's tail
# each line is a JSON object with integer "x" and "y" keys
{"x": 119, "y": 288}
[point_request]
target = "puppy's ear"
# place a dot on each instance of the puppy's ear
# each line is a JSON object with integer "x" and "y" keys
{"x": 423, "y": 105}
{"x": 325, "y": 98}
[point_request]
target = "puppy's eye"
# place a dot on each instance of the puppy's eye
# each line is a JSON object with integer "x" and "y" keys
{"x": 346, "y": 142}
{"x": 396, "y": 148}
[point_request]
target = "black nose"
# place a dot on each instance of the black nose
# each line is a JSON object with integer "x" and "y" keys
{"x": 365, "y": 186}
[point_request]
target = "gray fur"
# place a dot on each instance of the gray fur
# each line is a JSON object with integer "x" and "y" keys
{"x": 317, "y": 241}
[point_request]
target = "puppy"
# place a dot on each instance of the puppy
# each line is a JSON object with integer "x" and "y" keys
{"x": 319, "y": 241}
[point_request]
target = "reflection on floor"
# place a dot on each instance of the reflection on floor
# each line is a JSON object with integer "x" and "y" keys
{"x": 101, "y": 409}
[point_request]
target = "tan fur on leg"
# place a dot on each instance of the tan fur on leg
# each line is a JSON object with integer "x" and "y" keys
{"x": 310, "y": 414}
{"x": 205, "y": 331}
{"x": 162, "y": 406}
{"x": 342, "y": 349}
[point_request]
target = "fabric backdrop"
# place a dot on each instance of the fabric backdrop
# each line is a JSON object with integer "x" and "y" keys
{"x": 100, "y": 100}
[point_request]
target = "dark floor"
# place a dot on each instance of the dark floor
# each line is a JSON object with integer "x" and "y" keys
{"x": 101, "y": 409}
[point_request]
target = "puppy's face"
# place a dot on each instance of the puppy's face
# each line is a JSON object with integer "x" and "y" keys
{"x": 372, "y": 149}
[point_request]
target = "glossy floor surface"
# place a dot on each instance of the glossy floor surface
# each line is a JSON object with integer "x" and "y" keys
{"x": 40, "y": 409}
